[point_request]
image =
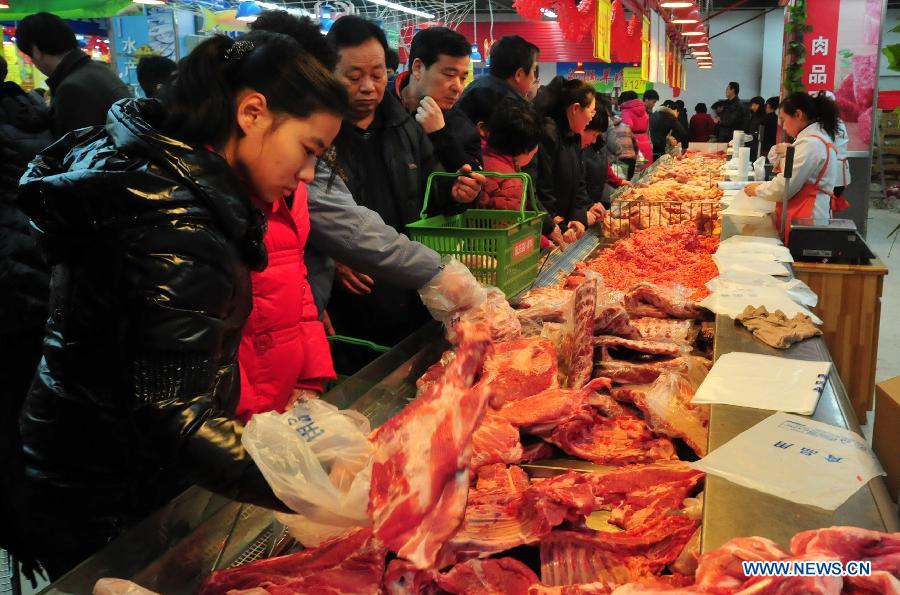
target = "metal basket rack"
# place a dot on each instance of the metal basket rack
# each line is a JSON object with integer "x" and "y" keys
{"x": 627, "y": 216}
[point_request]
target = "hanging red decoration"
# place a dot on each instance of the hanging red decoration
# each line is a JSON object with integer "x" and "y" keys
{"x": 632, "y": 25}
{"x": 576, "y": 19}
{"x": 531, "y": 9}
{"x": 614, "y": 11}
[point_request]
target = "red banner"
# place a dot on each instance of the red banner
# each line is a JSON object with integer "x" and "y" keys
{"x": 821, "y": 45}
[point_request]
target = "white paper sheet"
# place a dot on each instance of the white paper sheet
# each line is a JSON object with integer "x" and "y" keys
{"x": 764, "y": 382}
{"x": 796, "y": 289}
{"x": 778, "y": 253}
{"x": 763, "y": 264}
{"x": 797, "y": 459}
{"x": 751, "y": 204}
{"x": 751, "y": 240}
{"x": 732, "y": 301}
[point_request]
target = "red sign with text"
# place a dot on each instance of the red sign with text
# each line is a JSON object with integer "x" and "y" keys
{"x": 821, "y": 45}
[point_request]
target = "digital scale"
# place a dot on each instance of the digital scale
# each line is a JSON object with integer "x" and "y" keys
{"x": 828, "y": 240}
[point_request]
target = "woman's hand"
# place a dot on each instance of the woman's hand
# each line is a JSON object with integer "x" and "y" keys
{"x": 556, "y": 237}
{"x": 750, "y": 189}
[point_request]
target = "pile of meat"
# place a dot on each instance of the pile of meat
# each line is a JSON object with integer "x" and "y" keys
{"x": 695, "y": 169}
{"x": 666, "y": 256}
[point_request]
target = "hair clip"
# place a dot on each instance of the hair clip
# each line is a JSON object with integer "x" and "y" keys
{"x": 238, "y": 50}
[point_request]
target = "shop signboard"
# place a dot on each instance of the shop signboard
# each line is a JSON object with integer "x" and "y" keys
{"x": 603, "y": 30}
{"x": 604, "y": 77}
{"x": 821, "y": 46}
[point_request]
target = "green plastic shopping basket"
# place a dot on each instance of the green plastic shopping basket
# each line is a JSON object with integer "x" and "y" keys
{"x": 501, "y": 248}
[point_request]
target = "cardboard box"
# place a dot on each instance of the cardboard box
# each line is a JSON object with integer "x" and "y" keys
{"x": 886, "y": 433}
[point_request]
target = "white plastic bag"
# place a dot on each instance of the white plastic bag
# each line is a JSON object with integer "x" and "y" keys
{"x": 317, "y": 459}
{"x": 734, "y": 279}
{"x": 778, "y": 253}
{"x": 754, "y": 263}
{"x": 797, "y": 459}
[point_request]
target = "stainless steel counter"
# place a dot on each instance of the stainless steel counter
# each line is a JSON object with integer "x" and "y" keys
{"x": 734, "y": 511}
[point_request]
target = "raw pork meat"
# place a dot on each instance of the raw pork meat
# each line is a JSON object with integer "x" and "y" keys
{"x": 504, "y": 511}
{"x": 495, "y": 313}
{"x": 851, "y": 543}
{"x": 618, "y": 441}
{"x": 581, "y": 362}
{"x": 625, "y": 372}
{"x": 664, "y": 348}
{"x": 664, "y": 328}
{"x": 495, "y": 441}
{"x": 721, "y": 569}
{"x": 545, "y": 304}
{"x": 420, "y": 471}
{"x": 434, "y": 372}
{"x": 668, "y": 410}
{"x": 540, "y": 413}
{"x": 537, "y": 451}
{"x": 402, "y": 578}
{"x": 659, "y": 302}
{"x": 583, "y": 589}
{"x": 614, "y": 320}
{"x": 488, "y": 577}
{"x": 520, "y": 368}
{"x": 350, "y": 563}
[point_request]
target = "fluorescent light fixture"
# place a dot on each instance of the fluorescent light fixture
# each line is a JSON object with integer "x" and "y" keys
{"x": 297, "y": 11}
{"x": 691, "y": 33}
{"x": 701, "y": 53}
{"x": 548, "y": 13}
{"x": 686, "y": 21}
{"x": 705, "y": 66}
{"x": 698, "y": 44}
{"x": 401, "y": 8}
{"x": 676, "y": 4}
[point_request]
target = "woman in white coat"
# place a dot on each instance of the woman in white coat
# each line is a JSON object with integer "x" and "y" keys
{"x": 813, "y": 123}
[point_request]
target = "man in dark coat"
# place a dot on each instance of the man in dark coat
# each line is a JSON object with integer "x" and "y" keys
{"x": 438, "y": 66}
{"x": 664, "y": 123}
{"x": 734, "y": 116}
{"x": 82, "y": 90}
{"x": 513, "y": 70}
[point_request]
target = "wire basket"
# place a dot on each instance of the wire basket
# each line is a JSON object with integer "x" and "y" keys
{"x": 627, "y": 216}
{"x": 501, "y": 248}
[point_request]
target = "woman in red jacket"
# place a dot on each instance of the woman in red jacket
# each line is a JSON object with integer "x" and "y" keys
{"x": 284, "y": 353}
{"x": 703, "y": 127}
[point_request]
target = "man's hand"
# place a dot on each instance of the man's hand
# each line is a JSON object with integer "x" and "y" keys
{"x": 577, "y": 227}
{"x": 467, "y": 187}
{"x": 598, "y": 210}
{"x": 556, "y": 237}
{"x": 750, "y": 189}
{"x": 429, "y": 115}
{"x": 355, "y": 283}
{"x": 627, "y": 183}
{"x": 300, "y": 393}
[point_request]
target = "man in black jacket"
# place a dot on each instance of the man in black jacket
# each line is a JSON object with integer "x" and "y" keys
{"x": 733, "y": 117}
{"x": 384, "y": 157}
{"x": 82, "y": 90}
{"x": 439, "y": 61}
{"x": 513, "y": 68}
{"x": 664, "y": 123}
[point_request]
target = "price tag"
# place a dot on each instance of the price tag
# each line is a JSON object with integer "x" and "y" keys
{"x": 632, "y": 80}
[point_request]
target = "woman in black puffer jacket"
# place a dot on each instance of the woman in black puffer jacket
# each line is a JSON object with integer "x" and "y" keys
{"x": 149, "y": 229}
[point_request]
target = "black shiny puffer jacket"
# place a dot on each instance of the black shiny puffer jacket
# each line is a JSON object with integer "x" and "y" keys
{"x": 151, "y": 242}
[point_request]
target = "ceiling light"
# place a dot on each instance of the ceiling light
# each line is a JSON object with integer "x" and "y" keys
{"x": 4, "y": 4}
{"x": 692, "y": 17}
{"x": 701, "y": 53}
{"x": 401, "y": 8}
{"x": 548, "y": 13}
{"x": 697, "y": 44}
{"x": 676, "y": 4}
{"x": 692, "y": 32}
{"x": 248, "y": 11}
{"x": 297, "y": 11}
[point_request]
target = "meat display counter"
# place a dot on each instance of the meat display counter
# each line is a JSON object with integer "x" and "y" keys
{"x": 172, "y": 551}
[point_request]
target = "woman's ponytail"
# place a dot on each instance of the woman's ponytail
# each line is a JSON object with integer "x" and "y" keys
{"x": 200, "y": 103}
{"x": 556, "y": 97}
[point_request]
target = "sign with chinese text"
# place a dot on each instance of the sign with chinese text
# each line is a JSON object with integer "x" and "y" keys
{"x": 603, "y": 30}
{"x": 600, "y": 75}
{"x": 821, "y": 45}
{"x": 633, "y": 80}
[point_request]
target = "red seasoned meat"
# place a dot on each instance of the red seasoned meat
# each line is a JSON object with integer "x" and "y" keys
{"x": 520, "y": 368}
{"x": 420, "y": 470}
{"x": 618, "y": 441}
{"x": 663, "y": 348}
{"x": 350, "y": 563}
{"x": 488, "y": 577}
{"x": 495, "y": 441}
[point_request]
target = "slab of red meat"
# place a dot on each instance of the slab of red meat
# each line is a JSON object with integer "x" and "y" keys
{"x": 502, "y": 514}
{"x": 721, "y": 568}
{"x": 851, "y": 543}
{"x": 420, "y": 470}
{"x": 606, "y": 405}
{"x": 350, "y": 563}
{"x": 668, "y": 410}
{"x": 661, "y": 300}
{"x": 540, "y": 413}
{"x": 625, "y": 372}
{"x": 402, "y": 578}
{"x": 520, "y": 368}
{"x": 537, "y": 451}
{"x": 583, "y": 589}
{"x": 434, "y": 372}
{"x": 664, "y": 328}
{"x": 545, "y": 304}
{"x": 572, "y": 557}
{"x": 581, "y": 363}
{"x": 878, "y": 583}
{"x": 617, "y": 441}
{"x": 495, "y": 441}
{"x": 647, "y": 346}
{"x": 488, "y": 577}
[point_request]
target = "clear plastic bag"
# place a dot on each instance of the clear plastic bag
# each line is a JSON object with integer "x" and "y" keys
{"x": 732, "y": 301}
{"x": 317, "y": 459}
{"x": 795, "y": 288}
